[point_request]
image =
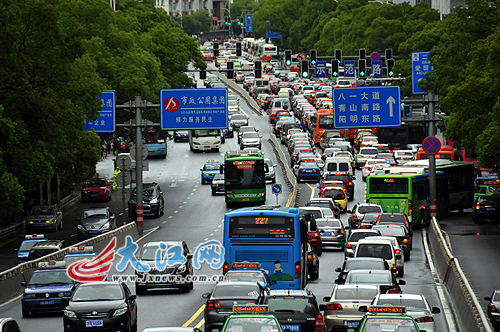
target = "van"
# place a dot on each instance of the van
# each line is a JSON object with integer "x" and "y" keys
{"x": 338, "y": 164}
{"x": 285, "y": 93}
{"x": 373, "y": 247}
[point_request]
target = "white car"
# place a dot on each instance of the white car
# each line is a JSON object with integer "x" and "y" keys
{"x": 365, "y": 171}
{"x": 403, "y": 156}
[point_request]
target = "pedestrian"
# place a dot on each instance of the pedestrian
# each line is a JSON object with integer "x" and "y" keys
{"x": 116, "y": 186}
{"x": 104, "y": 150}
{"x": 116, "y": 146}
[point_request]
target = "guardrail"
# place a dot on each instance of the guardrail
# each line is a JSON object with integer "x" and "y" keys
{"x": 466, "y": 302}
{"x": 10, "y": 280}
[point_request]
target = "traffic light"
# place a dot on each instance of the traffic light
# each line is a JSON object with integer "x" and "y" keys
{"x": 338, "y": 55}
{"x": 288, "y": 57}
{"x": 304, "y": 69}
{"x": 258, "y": 69}
{"x": 335, "y": 68}
{"x": 390, "y": 64}
{"x": 240, "y": 21}
{"x": 228, "y": 20}
{"x": 238, "y": 49}
{"x": 230, "y": 72}
{"x": 362, "y": 67}
{"x": 388, "y": 53}
{"x": 362, "y": 54}
{"x": 203, "y": 75}
{"x": 312, "y": 56}
{"x": 215, "y": 20}
{"x": 216, "y": 49}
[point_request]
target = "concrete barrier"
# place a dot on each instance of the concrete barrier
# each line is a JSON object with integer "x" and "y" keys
{"x": 467, "y": 305}
{"x": 10, "y": 280}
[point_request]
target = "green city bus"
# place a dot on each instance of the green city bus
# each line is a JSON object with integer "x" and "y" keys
{"x": 244, "y": 178}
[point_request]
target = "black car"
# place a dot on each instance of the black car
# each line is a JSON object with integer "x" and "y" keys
{"x": 103, "y": 306}
{"x": 312, "y": 263}
{"x": 165, "y": 266}
{"x": 358, "y": 211}
{"x": 152, "y": 200}
{"x": 296, "y": 310}
{"x": 487, "y": 208}
{"x": 399, "y": 219}
{"x": 345, "y": 177}
{"x": 181, "y": 136}
{"x": 44, "y": 217}
{"x": 224, "y": 296}
{"x": 95, "y": 221}
{"x": 369, "y": 219}
{"x": 358, "y": 263}
{"x": 401, "y": 234}
{"x": 328, "y": 203}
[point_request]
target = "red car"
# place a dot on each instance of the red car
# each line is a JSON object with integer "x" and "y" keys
{"x": 96, "y": 189}
{"x": 208, "y": 57}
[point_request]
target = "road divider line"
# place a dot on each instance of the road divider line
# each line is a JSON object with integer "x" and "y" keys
{"x": 148, "y": 233}
{"x": 202, "y": 321}
{"x": 312, "y": 191}
{"x": 195, "y": 315}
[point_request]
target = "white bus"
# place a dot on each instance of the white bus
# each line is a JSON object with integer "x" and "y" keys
{"x": 204, "y": 139}
{"x": 268, "y": 49}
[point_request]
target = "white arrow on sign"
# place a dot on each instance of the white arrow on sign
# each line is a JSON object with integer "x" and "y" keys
{"x": 391, "y": 101}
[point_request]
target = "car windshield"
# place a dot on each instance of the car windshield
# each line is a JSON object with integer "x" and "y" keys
{"x": 254, "y": 324}
{"x": 244, "y": 276}
{"x": 219, "y": 177}
{"x": 48, "y": 277}
{"x": 43, "y": 210}
{"x": 94, "y": 213}
{"x": 394, "y": 324}
{"x": 368, "y": 151}
{"x": 369, "y": 278}
{"x": 95, "y": 183}
{"x": 391, "y": 231}
{"x": 495, "y": 189}
{"x": 212, "y": 167}
{"x": 355, "y": 264}
{"x": 375, "y": 250}
{"x": 238, "y": 117}
{"x": 27, "y": 245}
{"x": 75, "y": 258}
{"x": 84, "y": 293}
{"x": 236, "y": 291}
{"x": 250, "y": 134}
{"x": 328, "y": 223}
{"x": 410, "y": 304}
{"x": 355, "y": 237}
{"x": 334, "y": 193}
{"x": 292, "y": 303}
{"x": 392, "y": 218}
{"x": 308, "y": 164}
{"x": 355, "y": 293}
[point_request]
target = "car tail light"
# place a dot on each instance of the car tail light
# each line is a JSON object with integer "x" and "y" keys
{"x": 214, "y": 305}
{"x": 424, "y": 319}
{"x": 310, "y": 257}
{"x": 479, "y": 207}
{"x": 225, "y": 267}
{"x": 493, "y": 308}
{"x": 297, "y": 270}
{"x": 397, "y": 252}
{"x": 340, "y": 232}
{"x": 367, "y": 167}
{"x": 334, "y": 306}
{"x": 316, "y": 234}
{"x": 394, "y": 267}
{"x": 365, "y": 226}
{"x": 350, "y": 183}
{"x": 360, "y": 156}
{"x": 409, "y": 209}
{"x": 405, "y": 240}
{"x": 392, "y": 291}
{"x": 319, "y": 323}
{"x": 348, "y": 245}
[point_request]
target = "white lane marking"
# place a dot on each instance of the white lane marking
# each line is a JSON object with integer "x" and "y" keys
{"x": 170, "y": 217}
{"x": 176, "y": 211}
{"x": 206, "y": 239}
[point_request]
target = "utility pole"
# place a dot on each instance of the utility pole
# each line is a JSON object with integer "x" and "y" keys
{"x": 432, "y": 158}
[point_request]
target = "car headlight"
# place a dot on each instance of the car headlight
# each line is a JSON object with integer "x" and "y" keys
{"x": 65, "y": 294}
{"x": 119, "y": 312}
{"x": 154, "y": 200}
{"x": 106, "y": 226}
{"x": 29, "y": 296}
{"x": 69, "y": 314}
{"x": 182, "y": 268}
{"x": 80, "y": 227}
{"x": 217, "y": 142}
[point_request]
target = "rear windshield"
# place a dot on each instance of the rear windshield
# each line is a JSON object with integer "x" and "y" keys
{"x": 355, "y": 294}
{"x": 368, "y": 209}
{"x": 392, "y": 218}
{"x": 375, "y": 250}
{"x": 369, "y": 278}
{"x": 354, "y": 264}
{"x": 355, "y": 237}
{"x": 368, "y": 151}
{"x": 237, "y": 291}
{"x": 295, "y": 303}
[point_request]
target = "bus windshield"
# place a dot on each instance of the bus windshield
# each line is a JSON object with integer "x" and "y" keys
{"x": 206, "y": 132}
{"x": 388, "y": 185}
{"x": 244, "y": 173}
{"x": 326, "y": 121}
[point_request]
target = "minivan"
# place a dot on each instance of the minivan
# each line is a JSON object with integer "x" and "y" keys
{"x": 373, "y": 247}
{"x": 338, "y": 164}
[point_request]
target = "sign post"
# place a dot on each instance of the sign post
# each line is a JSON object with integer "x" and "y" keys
{"x": 277, "y": 191}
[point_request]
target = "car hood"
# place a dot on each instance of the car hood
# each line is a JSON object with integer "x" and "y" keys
{"x": 95, "y": 222}
{"x": 55, "y": 288}
{"x": 95, "y": 305}
{"x": 41, "y": 217}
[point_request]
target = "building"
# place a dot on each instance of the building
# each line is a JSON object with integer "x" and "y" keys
{"x": 188, "y": 7}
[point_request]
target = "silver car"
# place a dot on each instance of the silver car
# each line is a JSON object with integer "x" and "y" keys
{"x": 250, "y": 139}
{"x": 238, "y": 120}
{"x": 332, "y": 232}
{"x": 270, "y": 173}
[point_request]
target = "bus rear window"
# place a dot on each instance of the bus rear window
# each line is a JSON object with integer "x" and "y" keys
{"x": 388, "y": 185}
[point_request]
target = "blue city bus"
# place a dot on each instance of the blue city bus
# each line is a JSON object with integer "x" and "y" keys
{"x": 274, "y": 237}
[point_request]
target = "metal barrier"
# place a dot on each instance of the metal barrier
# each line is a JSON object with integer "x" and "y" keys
{"x": 467, "y": 304}
{"x": 10, "y": 280}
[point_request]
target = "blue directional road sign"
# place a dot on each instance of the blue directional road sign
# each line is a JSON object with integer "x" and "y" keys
{"x": 248, "y": 23}
{"x": 276, "y": 188}
{"x": 420, "y": 64}
{"x": 320, "y": 69}
{"x": 367, "y": 107}
{"x": 271, "y": 34}
{"x": 349, "y": 68}
{"x": 184, "y": 109}
{"x": 377, "y": 68}
{"x": 106, "y": 121}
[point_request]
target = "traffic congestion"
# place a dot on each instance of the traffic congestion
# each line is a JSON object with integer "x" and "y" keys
{"x": 224, "y": 248}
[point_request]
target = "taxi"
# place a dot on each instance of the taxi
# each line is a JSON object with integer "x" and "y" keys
{"x": 248, "y": 271}
{"x": 486, "y": 190}
{"x": 79, "y": 253}
{"x": 339, "y": 195}
{"x": 46, "y": 288}
{"x": 251, "y": 318}
{"x": 24, "y": 249}
{"x": 209, "y": 170}
{"x": 386, "y": 318}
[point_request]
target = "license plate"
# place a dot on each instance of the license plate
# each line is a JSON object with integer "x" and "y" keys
{"x": 92, "y": 232}
{"x": 308, "y": 171}
{"x": 352, "y": 324}
{"x": 94, "y": 195}
{"x": 92, "y": 323}
{"x": 206, "y": 147}
{"x": 490, "y": 209}
{"x": 293, "y": 327}
{"x": 245, "y": 199}
{"x": 48, "y": 302}
{"x": 327, "y": 233}
{"x": 150, "y": 152}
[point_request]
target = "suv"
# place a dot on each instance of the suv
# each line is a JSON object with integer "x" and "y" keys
{"x": 358, "y": 211}
{"x": 296, "y": 310}
{"x": 44, "y": 248}
{"x": 152, "y": 200}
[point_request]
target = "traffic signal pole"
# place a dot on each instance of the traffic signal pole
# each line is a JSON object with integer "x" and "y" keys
{"x": 138, "y": 174}
{"x": 432, "y": 158}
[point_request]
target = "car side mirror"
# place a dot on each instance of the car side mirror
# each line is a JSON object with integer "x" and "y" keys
{"x": 435, "y": 310}
{"x": 24, "y": 283}
{"x": 338, "y": 269}
{"x": 349, "y": 211}
{"x": 487, "y": 298}
{"x": 401, "y": 282}
{"x": 132, "y": 297}
{"x": 206, "y": 295}
{"x": 354, "y": 178}
{"x": 363, "y": 308}
{"x": 326, "y": 299}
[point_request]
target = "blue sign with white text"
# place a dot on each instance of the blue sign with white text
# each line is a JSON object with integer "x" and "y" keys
{"x": 248, "y": 23}
{"x": 106, "y": 121}
{"x": 349, "y": 68}
{"x": 184, "y": 109}
{"x": 271, "y": 34}
{"x": 377, "y": 68}
{"x": 420, "y": 64}
{"x": 367, "y": 107}
{"x": 321, "y": 69}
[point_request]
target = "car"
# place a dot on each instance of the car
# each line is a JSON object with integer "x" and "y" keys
{"x": 358, "y": 263}
{"x": 369, "y": 219}
{"x": 233, "y": 106}
{"x": 318, "y": 212}
{"x": 364, "y": 154}
{"x": 416, "y": 307}
{"x": 166, "y": 260}
{"x": 401, "y": 234}
{"x": 96, "y": 189}
{"x": 46, "y": 288}
{"x": 327, "y": 202}
{"x": 354, "y": 236}
{"x": 238, "y": 120}
{"x": 332, "y": 232}
{"x": 95, "y": 221}
{"x": 358, "y": 210}
{"x": 342, "y": 308}
{"x": 210, "y": 168}
{"x": 245, "y": 129}
{"x": 271, "y": 172}
{"x": 398, "y": 251}
{"x": 92, "y": 303}
{"x": 365, "y": 171}
{"x": 338, "y": 194}
{"x": 152, "y": 200}
{"x": 44, "y": 217}
{"x": 403, "y": 156}
{"x": 312, "y": 262}
{"x": 76, "y": 254}
{"x": 307, "y": 171}
{"x": 181, "y": 136}
{"x": 218, "y": 184}
{"x": 240, "y": 77}
{"x": 492, "y": 308}
{"x": 387, "y": 318}
{"x": 44, "y": 248}
{"x": 383, "y": 248}
{"x": 345, "y": 177}
{"x": 296, "y": 310}
{"x": 8, "y": 324}
{"x": 486, "y": 208}
{"x": 397, "y": 219}
{"x": 385, "y": 279}
{"x": 327, "y": 134}
{"x": 250, "y": 139}
{"x": 29, "y": 241}
{"x": 219, "y": 302}
{"x": 250, "y": 275}
{"x": 486, "y": 190}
